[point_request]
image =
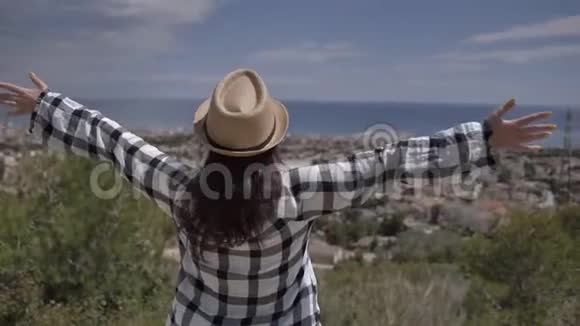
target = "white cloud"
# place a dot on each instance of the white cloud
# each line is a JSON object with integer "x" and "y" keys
{"x": 168, "y": 11}
{"x": 105, "y": 44}
{"x": 308, "y": 52}
{"x": 567, "y": 26}
{"x": 518, "y": 56}
{"x": 127, "y": 25}
{"x": 149, "y": 24}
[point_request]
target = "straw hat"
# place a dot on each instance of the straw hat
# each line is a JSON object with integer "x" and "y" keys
{"x": 241, "y": 119}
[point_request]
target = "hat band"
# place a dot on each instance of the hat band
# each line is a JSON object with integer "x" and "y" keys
{"x": 252, "y": 148}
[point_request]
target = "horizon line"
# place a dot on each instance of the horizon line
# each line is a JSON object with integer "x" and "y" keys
{"x": 330, "y": 101}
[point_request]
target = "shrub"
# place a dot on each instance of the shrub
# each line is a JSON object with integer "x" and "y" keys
{"x": 416, "y": 246}
{"x": 346, "y": 233}
{"x": 392, "y": 225}
{"x": 68, "y": 257}
{"x": 570, "y": 221}
{"x": 527, "y": 273}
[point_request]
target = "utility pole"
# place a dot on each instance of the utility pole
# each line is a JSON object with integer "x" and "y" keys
{"x": 568, "y": 153}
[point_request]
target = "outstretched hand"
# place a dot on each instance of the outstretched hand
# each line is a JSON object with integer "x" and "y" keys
{"x": 516, "y": 134}
{"x": 21, "y": 100}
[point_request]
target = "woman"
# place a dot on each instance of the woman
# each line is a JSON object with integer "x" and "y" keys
{"x": 244, "y": 220}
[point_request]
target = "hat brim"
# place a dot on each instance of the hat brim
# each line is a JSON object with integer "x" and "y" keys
{"x": 282, "y": 122}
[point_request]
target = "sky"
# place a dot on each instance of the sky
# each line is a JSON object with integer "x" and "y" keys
{"x": 328, "y": 50}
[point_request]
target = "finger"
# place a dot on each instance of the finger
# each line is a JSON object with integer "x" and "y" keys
{"x": 534, "y": 136}
{"x": 41, "y": 85}
{"x": 13, "y": 88}
{"x": 538, "y": 128}
{"x": 527, "y": 148}
{"x": 8, "y": 96}
{"x": 505, "y": 108}
{"x": 532, "y": 117}
{"x": 8, "y": 103}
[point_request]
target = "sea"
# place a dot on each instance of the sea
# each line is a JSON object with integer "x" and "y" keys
{"x": 334, "y": 118}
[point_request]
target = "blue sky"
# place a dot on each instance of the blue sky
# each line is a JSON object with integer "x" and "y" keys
{"x": 422, "y": 51}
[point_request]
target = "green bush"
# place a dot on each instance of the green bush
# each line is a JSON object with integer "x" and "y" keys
{"x": 570, "y": 221}
{"x": 68, "y": 257}
{"x": 346, "y": 233}
{"x": 392, "y": 225}
{"x": 528, "y": 272}
{"x": 441, "y": 246}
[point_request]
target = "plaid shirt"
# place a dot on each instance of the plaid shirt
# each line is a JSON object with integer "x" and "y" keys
{"x": 270, "y": 282}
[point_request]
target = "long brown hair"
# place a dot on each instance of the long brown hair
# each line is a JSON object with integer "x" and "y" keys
{"x": 232, "y": 198}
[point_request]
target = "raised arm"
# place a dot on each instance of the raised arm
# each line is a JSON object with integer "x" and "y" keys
{"x": 65, "y": 124}
{"x": 453, "y": 153}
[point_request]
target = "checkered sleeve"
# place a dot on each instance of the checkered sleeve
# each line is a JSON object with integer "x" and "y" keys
{"x": 453, "y": 155}
{"x": 62, "y": 123}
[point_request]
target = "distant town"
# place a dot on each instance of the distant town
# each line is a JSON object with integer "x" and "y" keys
{"x": 551, "y": 180}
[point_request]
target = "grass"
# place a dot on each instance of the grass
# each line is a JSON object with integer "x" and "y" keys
{"x": 393, "y": 294}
